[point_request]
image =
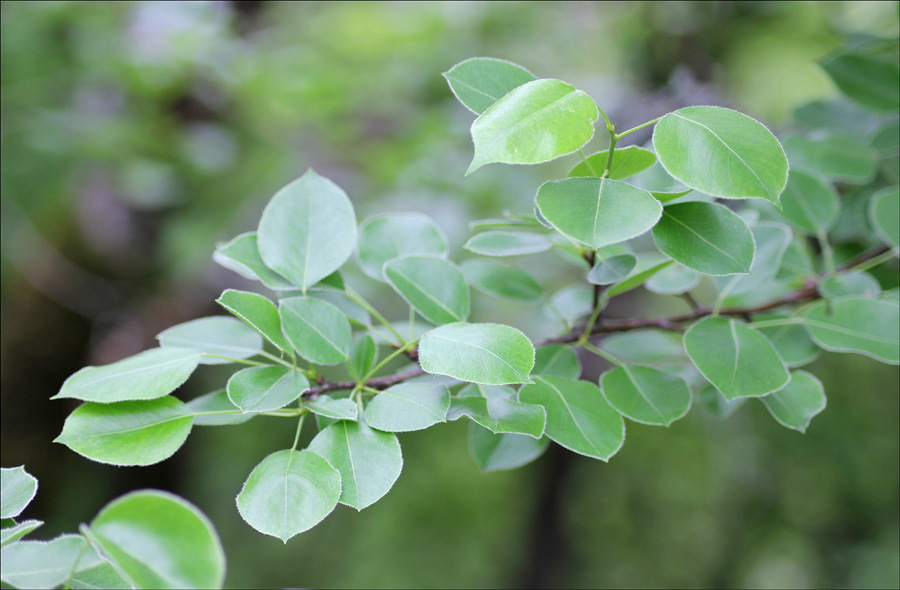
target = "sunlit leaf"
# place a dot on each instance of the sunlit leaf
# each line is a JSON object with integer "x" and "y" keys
{"x": 408, "y": 406}
{"x": 627, "y": 161}
{"x": 480, "y": 353}
{"x": 17, "y": 489}
{"x": 433, "y": 286}
{"x": 263, "y": 389}
{"x": 318, "y": 331}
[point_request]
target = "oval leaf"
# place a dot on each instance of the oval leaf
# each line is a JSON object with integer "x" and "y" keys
{"x": 335, "y": 409}
{"x": 884, "y": 213}
{"x": 646, "y": 395}
{"x": 597, "y": 211}
{"x": 870, "y": 81}
{"x": 289, "y": 492}
{"x": 318, "y": 330}
{"x": 675, "y": 279}
{"x": 368, "y": 460}
{"x": 479, "y": 82}
{"x": 481, "y": 353}
{"x": 386, "y": 237}
{"x": 556, "y": 361}
{"x": 722, "y": 153}
{"x": 215, "y": 409}
{"x": 363, "y": 356}
{"x": 17, "y": 489}
{"x": 735, "y": 358}
{"x": 867, "y": 326}
{"x": 626, "y": 162}
{"x": 836, "y": 156}
{"x": 262, "y": 389}
{"x": 434, "y": 287}
{"x": 792, "y": 341}
{"x": 160, "y": 541}
{"x": 537, "y": 122}
{"x": 706, "y": 237}
{"x": 308, "y": 230}
{"x": 501, "y": 281}
{"x": 259, "y": 313}
{"x": 217, "y": 336}
{"x": 797, "y": 403}
{"x": 507, "y": 243}
{"x": 242, "y": 256}
{"x": 771, "y": 240}
{"x": 408, "y": 406}
{"x": 128, "y": 433}
{"x": 500, "y": 415}
{"x": 809, "y": 203}
{"x": 495, "y": 452}
{"x": 147, "y": 375}
{"x": 850, "y": 283}
{"x": 578, "y": 417}
{"x": 611, "y": 270}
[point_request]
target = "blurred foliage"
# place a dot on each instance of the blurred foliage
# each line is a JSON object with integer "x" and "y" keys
{"x": 136, "y": 135}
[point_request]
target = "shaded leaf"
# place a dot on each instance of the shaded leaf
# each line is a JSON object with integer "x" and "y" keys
{"x": 795, "y": 404}
{"x": 834, "y": 156}
{"x": 385, "y": 237}
{"x": 434, "y": 287}
{"x": 496, "y": 452}
{"x": 215, "y": 409}
{"x": 318, "y": 331}
{"x": 501, "y": 281}
{"x": 646, "y": 395}
{"x": 884, "y": 214}
{"x": 792, "y": 341}
{"x": 675, "y": 279}
{"x": 329, "y": 407}
{"x": 363, "y": 355}
{"x": 220, "y": 336}
{"x": 479, "y": 82}
{"x": 556, "y": 361}
{"x": 809, "y": 203}
{"x": 612, "y": 269}
{"x": 850, "y": 283}
{"x": 259, "y": 313}
{"x": 507, "y": 243}
{"x": 500, "y": 415}
{"x": 242, "y": 256}
{"x": 867, "y": 326}
{"x": 870, "y": 81}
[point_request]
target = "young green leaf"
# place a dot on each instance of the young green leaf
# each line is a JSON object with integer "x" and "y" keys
{"x": 809, "y": 203}
{"x": 612, "y": 269}
{"x": 646, "y": 395}
{"x": 480, "y": 353}
{"x": 850, "y": 283}
{"x": 257, "y": 312}
{"x": 318, "y": 330}
{"x": 262, "y": 389}
{"x": 597, "y": 211}
{"x": 706, "y": 237}
{"x": 870, "y": 81}
{"x": 675, "y": 279}
{"x": 216, "y": 409}
{"x": 308, "y": 230}
{"x": 479, "y": 82}
{"x": 385, "y": 237}
{"x": 160, "y": 541}
{"x": 795, "y": 404}
{"x": 556, "y": 361}
{"x": 627, "y": 161}
{"x": 335, "y": 409}
{"x": 363, "y": 355}
{"x": 40, "y": 564}
{"x": 13, "y": 533}
{"x": 368, "y": 460}
{"x": 495, "y": 452}
{"x": 219, "y": 336}
{"x": 884, "y": 213}
{"x": 146, "y": 375}
{"x": 537, "y": 122}
{"x": 433, "y": 286}
{"x": 128, "y": 433}
{"x": 17, "y": 489}
{"x": 242, "y": 256}
{"x": 868, "y": 326}
{"x": 288, "y": 493}
{"x": 578, "y": 417}
{"x": 734, "y": 357}
{"x": 500, "y": 415}
{"x": 408, "y": 406}
{"x": 493, "y": 278}
{"x": 722, "y": 153}
{"x": 507, "y": 243}
{"x": 836, "y": 156}
{"x": 792, "y": 341}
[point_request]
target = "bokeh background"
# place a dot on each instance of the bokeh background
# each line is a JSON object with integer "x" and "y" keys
{"x": 137, "y": 135}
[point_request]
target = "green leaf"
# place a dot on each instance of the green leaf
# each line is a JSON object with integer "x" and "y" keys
{"x": 500, "y": 415}
{"x": 257, "y": 312}
{"x": 353, "y": 310}
{"x": 102, "y": 574}
{"x": 13, "y": 533}
{"x": 809, "y": 203}
{"x": 713, "y": 400}
{"x": 147, "y": 375}
{"x": 706, "y": 237}
{"x": 336, "y": 409}
{"x": 556, "y": 361}
{"x": 771, "y": 239}
{"x": 408, "y": 406}
{"x": 597, "y": 211}
{"x": 495, "y": 452}
{"x": 506, "y": 222}
{"x": 868, "y": 326}
{"x": 480, "y": 353}
{"x": 242, "y": 256}
{"x": 612, "y": 269}
{"x": 645, "y": 346}
{"x": 675, "y": 279}
{"x": 722, "y": 153}
{"x": 218, "y": 336}
{"x": 578, "y": 417}
{"x": 479, "y": 82}
{"x": 850, "y": 283}
{"x": 872, "y": 82}
{"x": 368, "y": 460}
{"x": 17, "y": 489}
{"x": 792, "y": 341}
{"x": 795, "y": 404}
{"x": 501, "y": 281}
{"x": 128, "y": 433}
{"x": 308, "y": 230}
{"x": 570, "y": 303}
{"x": 288, "y": 493}
{"x": 838, "y": 157}
{"x": 669, "y": 196}
{"x": 262, "y": 389}
{"x": 646, "y": 395}
{"x": 626, "y": 162}
{"x": 363, "y": 356}
{"x": 735, "y": 358}
{"x": 160, "y": 541}
{"x": 318, "y": 330}
{"x": 386, "y": 237}
{"x": 537, "y": 122}
{"x": 884, "y": 213}
{"x": 215, "y": 409}
{"x": 507, "y": 243}
{"x": 434, "y": 287}
{"x": 40, "y": 564}
{"x": 648, "y": 265}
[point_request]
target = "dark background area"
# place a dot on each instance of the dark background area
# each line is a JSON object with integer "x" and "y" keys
{"x": 135, "y": 136}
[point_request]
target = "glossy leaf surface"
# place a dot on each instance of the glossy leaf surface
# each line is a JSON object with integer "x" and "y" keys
{"x": 259, "y": 313}
{"x": 480, "y": 353}
{"x": 262, "y": 389}
{"x": 436, "y": 288}
{"x": 408, "y": 406}
{"x": 646, "y": 395}
{"x": 479, "y": 82}
{"x": 219, "y": 336}
{"x": 318, "y": 331}
{"x": 795, "y": 404}
{"x": 385, "y": 237}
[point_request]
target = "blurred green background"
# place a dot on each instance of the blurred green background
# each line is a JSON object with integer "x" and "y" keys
{"x": 135, "y": 136}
